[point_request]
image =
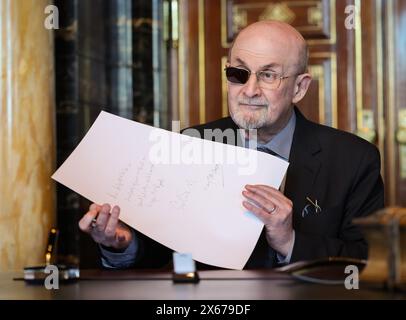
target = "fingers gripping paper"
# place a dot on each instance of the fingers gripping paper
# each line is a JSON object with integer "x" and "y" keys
{"x": 181, "y": 191}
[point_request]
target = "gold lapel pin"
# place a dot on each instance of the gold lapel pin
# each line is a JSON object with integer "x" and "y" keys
{"x": 315, "y": 204}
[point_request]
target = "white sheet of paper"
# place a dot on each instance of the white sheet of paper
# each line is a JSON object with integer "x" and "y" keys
{"x": 188, "y": 207}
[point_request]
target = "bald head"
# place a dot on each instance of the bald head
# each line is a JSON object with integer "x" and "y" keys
{"x": 274, "y": 38}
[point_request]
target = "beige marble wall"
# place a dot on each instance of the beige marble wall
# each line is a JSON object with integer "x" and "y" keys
{"x": 27, "y": 154}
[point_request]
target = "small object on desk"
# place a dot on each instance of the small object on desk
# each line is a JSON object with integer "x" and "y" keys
{"x": 184, "y": 268}
{"x": 385, "y": 232}
{"x": 38, "y": 274}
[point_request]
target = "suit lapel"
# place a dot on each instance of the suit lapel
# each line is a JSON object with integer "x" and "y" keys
{"x": 304, "y": 166}
{"x": 301, "y": 180}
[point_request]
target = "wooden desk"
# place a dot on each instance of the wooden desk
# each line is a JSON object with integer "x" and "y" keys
{"x": 214, "y": 285}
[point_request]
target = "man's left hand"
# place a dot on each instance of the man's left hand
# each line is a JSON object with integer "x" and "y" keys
{"x": 275, "y": 211}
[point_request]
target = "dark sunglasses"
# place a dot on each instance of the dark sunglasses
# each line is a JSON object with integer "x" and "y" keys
{"x": 237, "y": 75}
{"x": 241, "y": 76}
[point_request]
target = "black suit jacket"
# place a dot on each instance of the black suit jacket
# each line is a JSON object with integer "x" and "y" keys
{"x": 339, "y": 170}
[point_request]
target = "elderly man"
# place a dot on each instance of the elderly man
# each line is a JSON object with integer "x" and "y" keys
{"x": 332, "y": 178}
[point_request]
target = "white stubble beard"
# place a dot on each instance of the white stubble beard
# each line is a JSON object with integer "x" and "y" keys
{"x": 250, "y": 119}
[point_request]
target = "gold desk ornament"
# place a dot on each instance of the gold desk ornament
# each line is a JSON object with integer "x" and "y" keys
{"x": 385, "y": 232}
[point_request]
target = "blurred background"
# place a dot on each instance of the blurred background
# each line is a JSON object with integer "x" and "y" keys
{"x": 155, "y": 61}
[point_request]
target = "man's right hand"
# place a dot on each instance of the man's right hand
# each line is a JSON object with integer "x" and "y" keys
{"x": 108, "y": 230}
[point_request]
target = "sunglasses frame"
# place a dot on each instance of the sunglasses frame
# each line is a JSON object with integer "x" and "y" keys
{"x": 256, "y": 74}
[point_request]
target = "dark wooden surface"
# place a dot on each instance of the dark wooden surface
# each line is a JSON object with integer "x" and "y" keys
{"x": 218, "y": 284}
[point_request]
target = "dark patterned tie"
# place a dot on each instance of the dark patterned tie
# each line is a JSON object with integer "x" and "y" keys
{"x": 269, "y": 151}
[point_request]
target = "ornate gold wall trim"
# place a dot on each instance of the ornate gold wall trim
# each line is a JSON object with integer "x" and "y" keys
{"x": 332, "y": 56}
{"x": 317, "y": 72}
{"x": 333, "y": 28}
{"x": 312, "y": 15}
{"x": 224, "y": 104}
{"x": 358, "y": 65}
{"x": 391, "y": 102}
{"x": 202, "y": 64}
{"x": 334, "y": 99}
{"x": 315, "y": 15}
{"x": 379, "y": 84}
{"x": 183, "y": 118}
{"x": 223, "y": 22}
{"x": 280, "y": 11}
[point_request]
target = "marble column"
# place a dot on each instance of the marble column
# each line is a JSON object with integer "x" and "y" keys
{"x": 27, "y": 144}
